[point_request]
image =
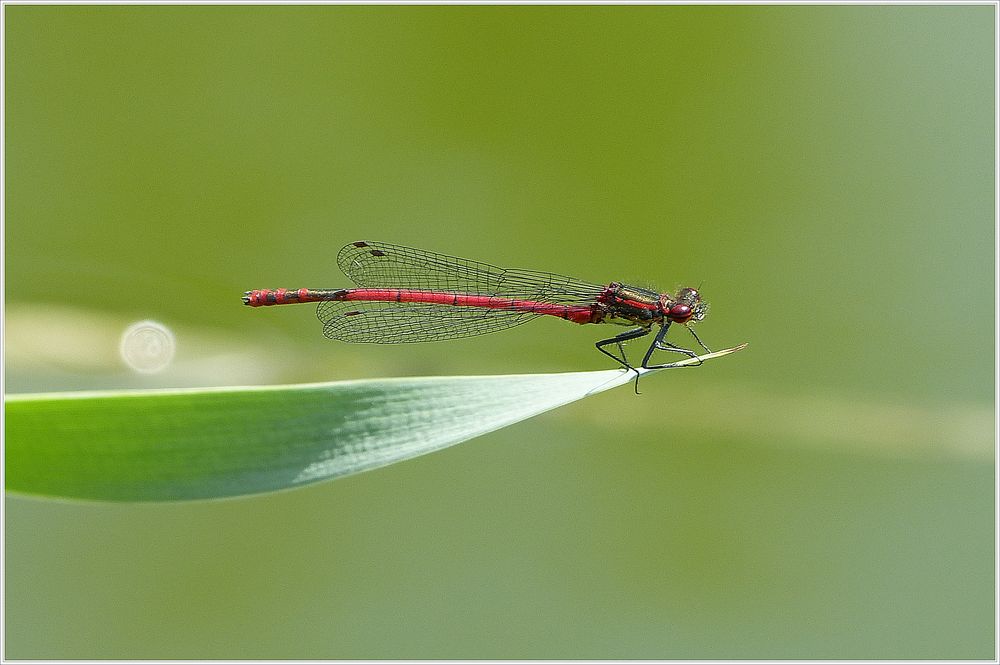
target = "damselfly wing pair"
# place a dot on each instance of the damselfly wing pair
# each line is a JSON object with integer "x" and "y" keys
{"x": 403, "y": 294}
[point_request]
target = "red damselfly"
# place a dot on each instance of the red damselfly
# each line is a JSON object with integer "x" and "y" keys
{"x": 411, "y": 295}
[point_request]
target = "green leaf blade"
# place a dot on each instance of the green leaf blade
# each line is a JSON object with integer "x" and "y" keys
{"x": 200, "y": 444}
{"x": 174, "y": 445}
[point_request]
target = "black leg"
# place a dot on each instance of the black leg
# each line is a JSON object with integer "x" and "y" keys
{"x": 658, "y": 343}
{"x": 698, "y": 339}
{"x": 617, "y": 340}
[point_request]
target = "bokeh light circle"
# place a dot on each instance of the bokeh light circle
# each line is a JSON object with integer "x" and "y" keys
{"x": 147, "y": 347}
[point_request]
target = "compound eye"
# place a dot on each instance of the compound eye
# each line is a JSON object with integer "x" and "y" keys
{"x": 680, "y": 313}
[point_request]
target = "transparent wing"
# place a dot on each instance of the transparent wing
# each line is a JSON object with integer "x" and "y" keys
{"x": 396, "y": 323}
{"x": 381, "y": 265}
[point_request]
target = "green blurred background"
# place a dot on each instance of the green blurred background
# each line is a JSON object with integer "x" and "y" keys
{"x": 825, "y": 173}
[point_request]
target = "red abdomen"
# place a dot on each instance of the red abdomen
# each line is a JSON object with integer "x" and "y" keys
{"x": 574, "y": 313}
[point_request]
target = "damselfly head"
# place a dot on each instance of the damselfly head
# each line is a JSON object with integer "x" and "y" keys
{"x": 686, "y": 308}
